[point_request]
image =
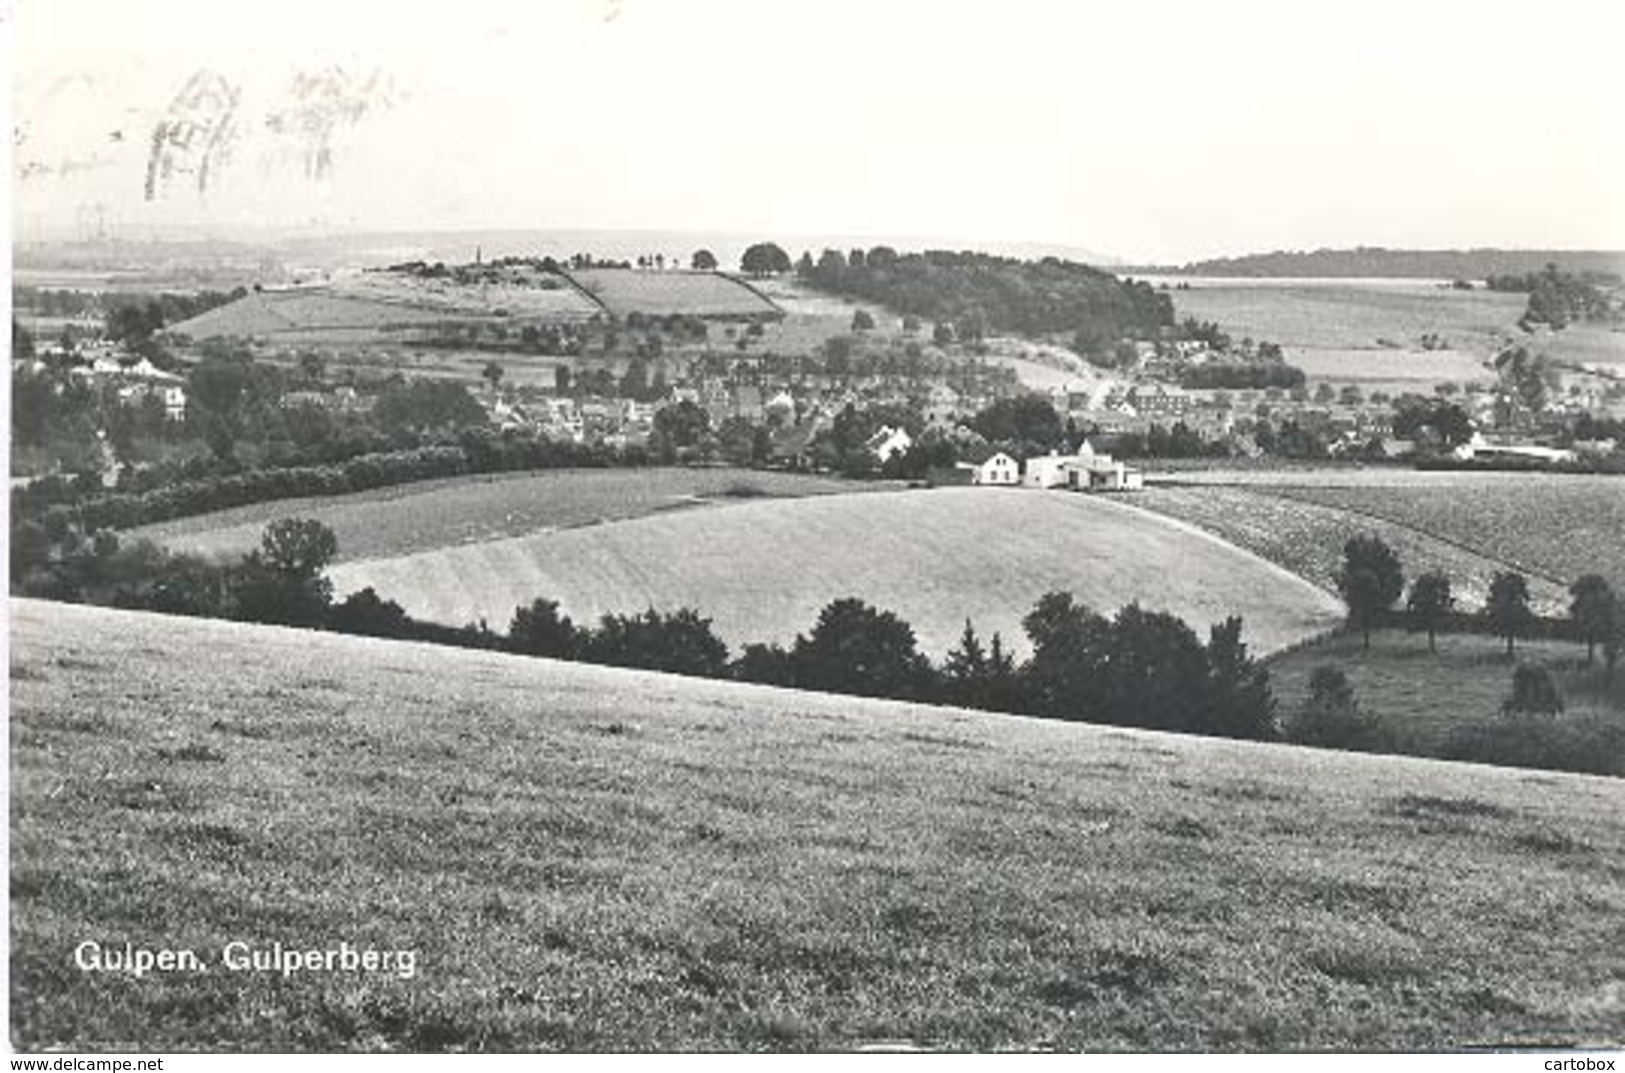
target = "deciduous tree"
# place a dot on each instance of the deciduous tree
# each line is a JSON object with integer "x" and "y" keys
{"x": 764, "y": 259}
{"x": 1508, "y": 607}
{"x": 855, "y": 648}
{"x": 1595, "y": 611}
{"x": 1429, "y": 602}
{"x": 542, "y": 629}
{"x": 1370, "y": 580}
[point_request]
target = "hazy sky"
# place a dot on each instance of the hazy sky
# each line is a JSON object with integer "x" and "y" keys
{"x": 1167, "y": 130}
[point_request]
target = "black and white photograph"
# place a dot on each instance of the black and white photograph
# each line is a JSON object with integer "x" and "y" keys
{"x": 870, "y": 526}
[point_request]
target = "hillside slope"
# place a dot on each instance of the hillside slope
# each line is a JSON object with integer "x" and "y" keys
{"x": 404, "y": 518}
{"x": 763, "y": 570}
{"x": 586, "y": 859}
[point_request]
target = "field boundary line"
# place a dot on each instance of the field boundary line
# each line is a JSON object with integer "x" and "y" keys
{"x": 584, "y": 292}
{"x": 1284, "y": 492}
{"x": 780, "y": 310}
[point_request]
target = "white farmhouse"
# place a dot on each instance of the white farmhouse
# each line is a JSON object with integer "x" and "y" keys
{"x": 1092, "y": 471}
{"x": 1046, "y": 471}
{"x": 1001, "y": 469}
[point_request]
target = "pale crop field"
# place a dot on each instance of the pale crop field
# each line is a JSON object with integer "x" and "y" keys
{"x": 1555, "y": 526}
{"x": 1559, "y": 527}
{"x": 428, "y": 515}
{"x": 1307, "y": 538}
{"x": 589, "y": 859}
{"x": 625, "y": 290}
{"x": 762, "y": 570}
{"x": 519, "y": 296}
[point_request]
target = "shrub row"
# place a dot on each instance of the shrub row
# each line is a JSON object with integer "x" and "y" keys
{"x": 472, "y": 453}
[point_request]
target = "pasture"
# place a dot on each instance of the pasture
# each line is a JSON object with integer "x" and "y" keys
{"x": 1424, "y": 695}
{"x": 428, "y": 515}
{"x": 589, "y": 859}
{"x": 762, "y": 570}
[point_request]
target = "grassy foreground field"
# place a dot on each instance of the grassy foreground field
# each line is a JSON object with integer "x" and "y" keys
{"x": 435, "y": 514}
{"x": 763, "y": 570}
{"x": 591, "y": 859}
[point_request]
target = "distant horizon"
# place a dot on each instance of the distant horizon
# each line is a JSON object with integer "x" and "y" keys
{"x": 733, "y": 239}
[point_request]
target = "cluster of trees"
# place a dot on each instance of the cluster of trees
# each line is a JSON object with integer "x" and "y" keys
{"x": 1137, "y": 668}
{"x": 1557, "y": 298}
{"x": 1527, "y": 381}
{"x": 972, "y": 294}
{"x": 281, "y": 582}
{"x": 1433, "y": 422}
{"x": 1176, "y": 441}
{"x": 1371, "y": 580}
{"x": 1236, "y": 376}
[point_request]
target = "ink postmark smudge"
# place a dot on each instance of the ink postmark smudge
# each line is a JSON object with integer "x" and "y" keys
{"x": 195, "y": 136}
{"x": 318, "y": 106}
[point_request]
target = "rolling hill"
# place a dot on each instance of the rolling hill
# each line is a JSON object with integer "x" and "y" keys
{"x": 580, "y": 858}
{"x": 1369, "y": 261}
{"x": 762, "y": 570}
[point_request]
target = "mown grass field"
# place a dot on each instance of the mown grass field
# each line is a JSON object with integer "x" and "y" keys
{"x": 762, "y": 570}
{"x": 427, "y": 515}
{"x": 1423, "y": 695}
{"x": 1553, "y": 527}
{"x": 590, "y": 859}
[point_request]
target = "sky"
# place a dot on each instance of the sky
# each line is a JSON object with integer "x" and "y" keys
{"x": 1162, "y": 131}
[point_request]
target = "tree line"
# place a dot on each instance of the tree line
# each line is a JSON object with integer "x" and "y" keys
{"x": 1137, "y": 668}
{"x": 1371, "y": 581}
{"x": 978, "y": 293}
{"x": 57, "y": 512}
